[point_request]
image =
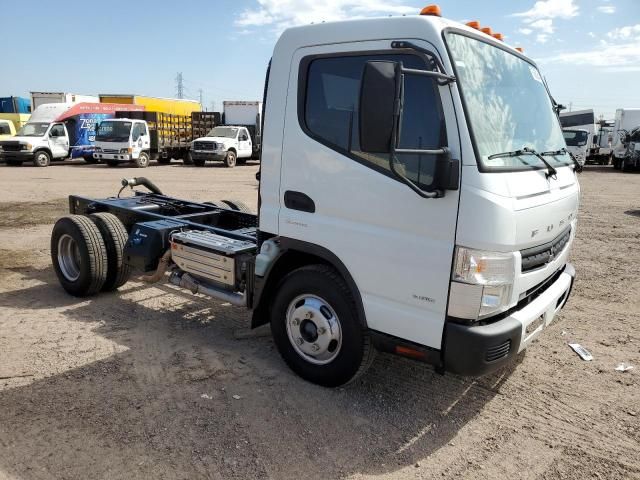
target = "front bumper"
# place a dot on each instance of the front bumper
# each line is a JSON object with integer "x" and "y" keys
{"x": 21, "y": 156}
{"x": 119, "y": 157}
{"x": 213, "y": 155}
{"x": 480, "y": 349}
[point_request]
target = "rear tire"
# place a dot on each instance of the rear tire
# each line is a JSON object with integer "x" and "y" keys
{"x": 42, "y": 159}
{"x": 315, "y": 326}
{"x": 624, "y": 166}
{"x": 164, "y": 161}
{"x": 236, "y": 205}
{"x": 230, "y": 159}
{"x": 115, "y": 236}
{"x": 79, "y": 255}
{"x": 143, "y": 160}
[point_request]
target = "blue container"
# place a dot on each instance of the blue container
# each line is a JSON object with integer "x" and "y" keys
{"x": 15, "y": 105}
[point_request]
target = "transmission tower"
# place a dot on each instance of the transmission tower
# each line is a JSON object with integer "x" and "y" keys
{"x": 200, "y": 92}
{"x": 179, "y": 85}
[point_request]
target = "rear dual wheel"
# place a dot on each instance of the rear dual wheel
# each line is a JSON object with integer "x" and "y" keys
{"x": 87, "y": 253}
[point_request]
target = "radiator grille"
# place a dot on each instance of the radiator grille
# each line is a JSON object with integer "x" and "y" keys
{"x": 541, "y": 255}
{"x": 210, "y": 146}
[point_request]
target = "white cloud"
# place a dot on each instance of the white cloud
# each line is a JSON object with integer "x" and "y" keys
{"x": 592, "y": 35}
{"x": 281, "y": 14}
{"x": 607, "y": 8}
{"x": 542, "y": 38}
{"x": 545, "y": 25}
{"x": 621, "y": 53}
{"x": 540, "y": 17}
{"x": 550, "y": 9}
{"x": 623, "y": 33}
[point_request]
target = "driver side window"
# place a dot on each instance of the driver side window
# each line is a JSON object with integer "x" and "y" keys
{"x": 57, "y": 131}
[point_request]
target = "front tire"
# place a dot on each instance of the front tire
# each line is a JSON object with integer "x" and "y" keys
{"x": 79, "y": 255}
{"x": 230, "y": 159}
{"x": 90, "y": 160}
{"x": 199, "y": 162}
{"x": 143, "y": 160}
{"x": 315, "y": 326}
{"x": 188, "y": 159}
{"x": 42, "y": 159}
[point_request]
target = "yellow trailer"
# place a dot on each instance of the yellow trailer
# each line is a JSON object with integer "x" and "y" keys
{"x": 174, "y": 106}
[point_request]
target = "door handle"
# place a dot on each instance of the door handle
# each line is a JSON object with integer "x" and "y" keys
{"x": 299, "y": 201}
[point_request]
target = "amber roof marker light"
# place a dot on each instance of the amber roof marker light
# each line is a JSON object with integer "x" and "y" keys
{"x": 487, "y": 30}
{"x": 474, "y": 24}
{"x": 520, "y": 49}
{"x": 433, "y": 10}
{"x": 498, "y": 36}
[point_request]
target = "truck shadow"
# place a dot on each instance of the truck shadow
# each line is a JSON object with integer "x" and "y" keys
{"x": 163, "y": 388}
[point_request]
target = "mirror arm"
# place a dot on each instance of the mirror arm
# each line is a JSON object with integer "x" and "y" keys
{"x": 444, "y": 78}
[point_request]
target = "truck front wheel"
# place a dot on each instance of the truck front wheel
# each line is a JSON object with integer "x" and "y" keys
{"x": 143, "y": 160}
{"x": 315, "y": 326}
{"x": 42, "y": 159}
{"x": 230, "y": 159}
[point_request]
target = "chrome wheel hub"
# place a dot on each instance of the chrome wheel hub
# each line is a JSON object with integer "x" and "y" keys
{"x": 314, "y": 329}
{"x": 69, "y": 258}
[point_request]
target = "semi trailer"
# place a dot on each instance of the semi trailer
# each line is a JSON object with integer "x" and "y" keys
{"x": 173, "y": 106}
{"x": 43, "y": 98}
{"x": 398, "y": 208}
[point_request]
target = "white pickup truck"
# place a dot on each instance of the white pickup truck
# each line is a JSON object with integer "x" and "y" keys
{"x": 416, "y": 197}
{"x": 229, "y": 144}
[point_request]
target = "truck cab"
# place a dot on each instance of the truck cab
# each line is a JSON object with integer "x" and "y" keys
{"x": 7, "y": 129}
{"x": 123, "y": 140}
{"x": 415, "y": 197}
{"x": 226, "y": 143}
{"x": 577, "y": 143}
{"x": 37, "y": 142}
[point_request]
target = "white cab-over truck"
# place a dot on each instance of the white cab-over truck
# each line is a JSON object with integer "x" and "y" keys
{"x": 577, "y": 143}
{"x": 415, "y": 197}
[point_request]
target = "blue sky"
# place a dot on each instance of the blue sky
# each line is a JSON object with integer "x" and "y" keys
{"x": 589, "y": 50}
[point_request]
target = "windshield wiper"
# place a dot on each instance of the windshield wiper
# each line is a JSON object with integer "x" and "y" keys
{"x": 551, "y": 172}
{"x": 563, "y": 151}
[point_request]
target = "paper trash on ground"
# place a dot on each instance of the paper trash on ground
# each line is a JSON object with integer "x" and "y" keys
{"x": 583, "y": 352}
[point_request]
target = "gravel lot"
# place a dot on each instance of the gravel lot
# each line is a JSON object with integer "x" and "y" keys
{"x": 151, "y": 382}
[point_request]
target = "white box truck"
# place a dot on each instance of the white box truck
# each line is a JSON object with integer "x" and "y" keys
{"x": 42, "y": 98}
{"x": 399, "y": 209}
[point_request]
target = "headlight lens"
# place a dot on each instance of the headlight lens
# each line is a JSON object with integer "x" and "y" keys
{"x": 481, "y": 283}
{"x": 124, "y": 150}
{"x": 97, "y": 149}
{"x": 26, "y": 146}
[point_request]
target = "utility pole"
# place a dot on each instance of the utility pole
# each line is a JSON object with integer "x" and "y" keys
{"x": 179, "y": 85}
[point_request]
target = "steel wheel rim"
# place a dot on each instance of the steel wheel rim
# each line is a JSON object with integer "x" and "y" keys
{"x": 314, "y": 329}
{"x": 69, "y": 257}
{"x": 41, "y": 158}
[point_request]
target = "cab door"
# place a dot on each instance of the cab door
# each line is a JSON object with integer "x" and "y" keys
{"x": 397, "y": 246}
{"x": 59, "y": 141}
{"x": 244, "y": 143}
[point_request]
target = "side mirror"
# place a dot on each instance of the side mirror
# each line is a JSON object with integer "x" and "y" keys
{"x": 379, "y": 90}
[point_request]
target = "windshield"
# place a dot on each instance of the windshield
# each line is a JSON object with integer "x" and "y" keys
{"x": 33, "y": 130}
{"x": 113, "y": 131}
{"x": 575, "y": 138}
{"x": 507, "y": 105}
{"x": 226, "y": 132}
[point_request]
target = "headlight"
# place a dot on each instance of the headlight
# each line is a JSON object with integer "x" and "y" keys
{"x": 481, "y": 283}
{"x": 26, "y": 146}
{"x": 126, "y": 150}
{"x": 97, "y": 149}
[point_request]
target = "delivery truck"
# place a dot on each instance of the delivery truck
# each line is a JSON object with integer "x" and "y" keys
{"x": 42, "y": 98}
{"x": 173, "y": 106}
{"x": 57, "y": 131}
{"x": 393, "y": 211}
{"x": 137, "y": 138}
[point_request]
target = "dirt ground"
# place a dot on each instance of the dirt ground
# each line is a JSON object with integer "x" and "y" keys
{"x": 151, "y": 382}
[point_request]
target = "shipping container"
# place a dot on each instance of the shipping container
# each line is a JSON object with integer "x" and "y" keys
{"x": 173, "y": 106}
{"x": 15, "y": 105}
